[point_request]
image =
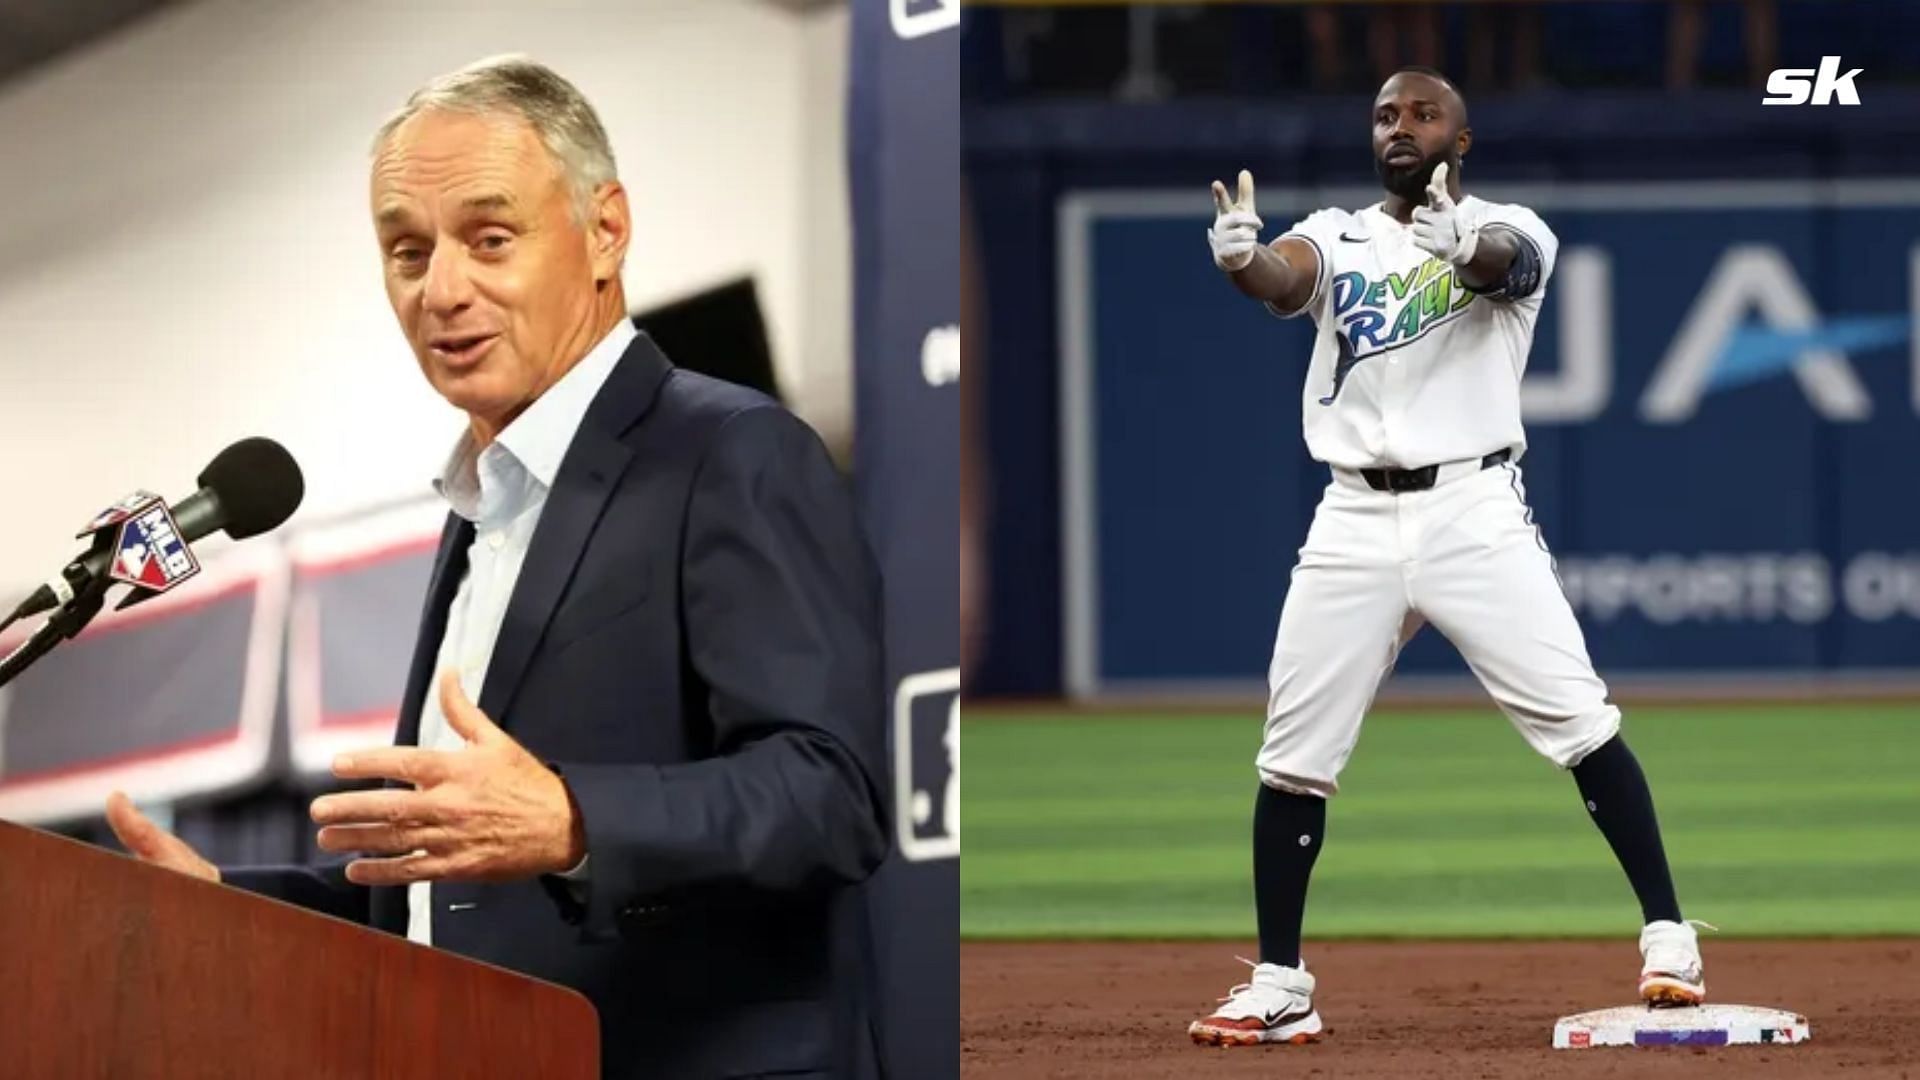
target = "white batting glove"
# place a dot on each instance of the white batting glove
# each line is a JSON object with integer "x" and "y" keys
{"x": 1437, "y": 228}
{"x": 1236, "y": 229}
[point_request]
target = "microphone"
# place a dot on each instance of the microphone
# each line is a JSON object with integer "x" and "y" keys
{"x": 251, "y": 487}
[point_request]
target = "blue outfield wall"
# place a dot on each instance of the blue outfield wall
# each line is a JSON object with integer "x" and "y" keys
{"x": 1723, "y": 396}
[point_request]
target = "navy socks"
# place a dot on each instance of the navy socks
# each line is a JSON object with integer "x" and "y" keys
{"x": 1617, "y": 798}
{"x": 1288, "y": 830}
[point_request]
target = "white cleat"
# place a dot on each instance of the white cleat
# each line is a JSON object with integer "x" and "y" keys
{"x": 1275, "y": 1007}
{"x": 1673, "y": 974}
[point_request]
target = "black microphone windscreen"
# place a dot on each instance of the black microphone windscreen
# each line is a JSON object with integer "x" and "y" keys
{"x": 258, "y": 483}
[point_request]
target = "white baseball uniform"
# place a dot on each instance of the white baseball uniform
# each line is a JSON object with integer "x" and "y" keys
{"x": 1411, "y": 370}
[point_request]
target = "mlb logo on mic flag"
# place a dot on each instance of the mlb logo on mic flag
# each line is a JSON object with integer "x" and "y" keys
{"x": 150, "y": 553}
{"x": 119, "y": 512}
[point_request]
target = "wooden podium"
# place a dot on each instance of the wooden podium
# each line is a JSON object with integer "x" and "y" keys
{"x": 112, "y": 968}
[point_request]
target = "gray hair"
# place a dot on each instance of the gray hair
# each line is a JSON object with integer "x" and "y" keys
{"x": 556, "y": 110}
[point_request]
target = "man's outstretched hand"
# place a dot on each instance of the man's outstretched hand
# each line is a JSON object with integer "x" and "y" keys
{"x": 490, "y": 811}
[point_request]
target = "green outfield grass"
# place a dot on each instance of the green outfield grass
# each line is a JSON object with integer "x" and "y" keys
{"x": 1779, "y": 820}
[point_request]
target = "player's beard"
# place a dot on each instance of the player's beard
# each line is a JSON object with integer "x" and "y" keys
{"x": 1410, "y": 181}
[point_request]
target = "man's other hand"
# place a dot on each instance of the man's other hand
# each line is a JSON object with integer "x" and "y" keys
{"x": 151, "y": 843}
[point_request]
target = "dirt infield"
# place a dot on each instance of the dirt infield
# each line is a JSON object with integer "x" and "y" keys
{"x": 1458, "y": 1010}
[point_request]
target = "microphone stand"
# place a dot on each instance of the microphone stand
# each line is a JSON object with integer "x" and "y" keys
{"x": 66, "y": 622}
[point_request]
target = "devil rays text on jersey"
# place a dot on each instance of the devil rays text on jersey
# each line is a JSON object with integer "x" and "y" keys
{"x": 1409, "y": 367}
{"x": 1420, "y": 300}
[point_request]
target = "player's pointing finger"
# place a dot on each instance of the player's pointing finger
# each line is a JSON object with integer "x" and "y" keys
{"x": 1437, "y": 187}
{"x": 1245, "y": 202}
{"x": 1220, "y": 202}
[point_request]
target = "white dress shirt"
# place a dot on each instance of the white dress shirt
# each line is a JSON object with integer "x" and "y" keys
{"x": 501, "y": 488}
{"x": 1409, "y": 369}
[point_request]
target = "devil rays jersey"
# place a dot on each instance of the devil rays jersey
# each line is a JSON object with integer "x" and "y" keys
{"x": 1409, "y": 368}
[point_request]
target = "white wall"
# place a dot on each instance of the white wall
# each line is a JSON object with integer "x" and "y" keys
{"x": 824, "y": 394}
{"x": 186, "y": 256}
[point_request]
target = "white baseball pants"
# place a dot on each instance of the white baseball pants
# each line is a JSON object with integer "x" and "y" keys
{"x": 1463, "y": 555}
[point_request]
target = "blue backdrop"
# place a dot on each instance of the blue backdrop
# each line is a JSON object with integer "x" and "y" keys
{"x": 1717, "y": 428}
{"x": 1722, "y": 387}
{"x": 904, "y": 147}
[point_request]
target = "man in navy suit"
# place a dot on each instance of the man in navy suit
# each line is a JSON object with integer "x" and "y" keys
{"x": 655, "y": 585}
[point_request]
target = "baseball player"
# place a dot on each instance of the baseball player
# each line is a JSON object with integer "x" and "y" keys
{"x": 1425, "y": 304}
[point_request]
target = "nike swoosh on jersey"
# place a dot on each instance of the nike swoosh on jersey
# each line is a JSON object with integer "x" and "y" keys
{"x": 1353, "y": 239}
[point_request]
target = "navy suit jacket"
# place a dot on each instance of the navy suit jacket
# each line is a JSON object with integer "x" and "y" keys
{"x": 694, "y": 644}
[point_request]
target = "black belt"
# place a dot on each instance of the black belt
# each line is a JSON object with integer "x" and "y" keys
{"x": 1404, "y": 480}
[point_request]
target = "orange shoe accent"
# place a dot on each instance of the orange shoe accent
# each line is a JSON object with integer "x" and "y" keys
{"x": 1666, "y": 995}
{"x": 1229, "y": 1036}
